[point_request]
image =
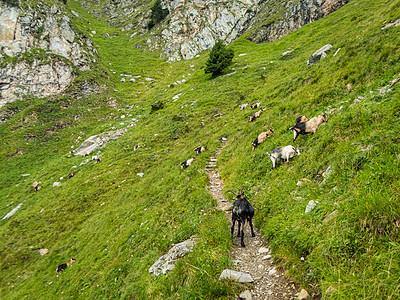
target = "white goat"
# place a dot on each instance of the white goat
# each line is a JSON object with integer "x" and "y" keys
{"x": 283, "y": 153}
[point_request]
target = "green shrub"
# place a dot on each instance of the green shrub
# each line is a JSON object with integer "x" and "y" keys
{"x": 220, "y": 58}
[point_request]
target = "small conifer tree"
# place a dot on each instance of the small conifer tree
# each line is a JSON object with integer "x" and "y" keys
{"x": 157, "y": 14}
{"x": 219, "y": 59}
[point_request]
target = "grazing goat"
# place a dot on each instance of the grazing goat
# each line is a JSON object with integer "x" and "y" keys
{"x": 187, "y": 163}
{"x": 242, "y": 210}
{"x": 261, "y": 138}
{"x": 255, "y": 115}
{"x": 283, "y": 153}
{"x": 243, "y": 106}
{"x": 62, "y": 267}
{"x": 70, "y": 175}
{"x": 255, "y": 105}
{"x": 200, "y": 149}
{"x": 310, "y": 126}
{"x": 302, "y": 119}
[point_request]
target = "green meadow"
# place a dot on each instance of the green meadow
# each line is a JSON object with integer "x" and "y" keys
{"x": 117, "y": 224}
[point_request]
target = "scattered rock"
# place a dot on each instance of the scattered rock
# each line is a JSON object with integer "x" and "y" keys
{"x": 43, "y": 251}
{"x": 246, "y": 295}
{"x": 326, "y": 175}
{"x": 56, "y": 183}
{"x": 331, "y": 216}
{"x": 272, "y": 272}
{"x": 357, "y": 100}
{"x": 363, "y": 147}
{"x": 287, "y": 53}
{"x": 263, "y": 250}
{"x": 303, "y": 295}
{"x": 330, "y": 290}
{"x": 140, "y": 174}
{"x": 236, "y": 276}
{"x": 12, "y": 212}
{"x": 74, "y": 13}
{"x": 310, "y": 206}
{"x": 337, "y": 51}
{"x": 167, "y": 262}
{"x": 302, "y": 181}
{"x": 320, "y": 54}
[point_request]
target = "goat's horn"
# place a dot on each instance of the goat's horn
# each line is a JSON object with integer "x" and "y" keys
{"x": 241, "y": 191}
{"x": 232, "y": 192}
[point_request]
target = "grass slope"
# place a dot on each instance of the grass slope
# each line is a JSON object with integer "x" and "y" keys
{"x": 116, "y": 224}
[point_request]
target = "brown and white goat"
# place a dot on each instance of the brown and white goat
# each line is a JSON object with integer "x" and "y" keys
{"x": 255, "y": 105}
{"x": 242, "y": 211}
{"x": 310, "y": 126}
{"x": 255, "y": 115}
{"x": 62, "y": 267}
{"x": 261, "y": 138}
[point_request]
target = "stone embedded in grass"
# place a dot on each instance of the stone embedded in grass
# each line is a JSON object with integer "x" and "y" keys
{"x": 12, "y": 212}
{"x": 320, "y": 54}
{"x": 246, "y": 295}
{"x": 310, "y": 206}
{"x": 98, "y": 141}
{"x": 166, "y": 263}
{"x": 56, "y": 183}
{"x": 331, "y": 216}
{"x": 236, "y": 276}
{"x": 140, "y": 174}
{"x": 43, "y": 251}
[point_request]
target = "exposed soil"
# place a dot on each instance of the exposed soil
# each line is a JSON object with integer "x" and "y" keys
{"x": 255, "y": 258}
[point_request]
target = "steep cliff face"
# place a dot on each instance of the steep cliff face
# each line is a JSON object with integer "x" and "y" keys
{"x": 195, "y": 25}
{"x": 275, "y": 20}
{"x": 49, "y": 28}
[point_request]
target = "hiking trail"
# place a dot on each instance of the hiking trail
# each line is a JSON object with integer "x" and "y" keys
{"x": 254, "y": 259}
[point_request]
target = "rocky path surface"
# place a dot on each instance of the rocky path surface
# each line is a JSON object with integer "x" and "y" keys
{"x": 254, "y": 259}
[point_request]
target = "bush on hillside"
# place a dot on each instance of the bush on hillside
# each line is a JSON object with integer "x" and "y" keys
{"x": 157, "y": 14}
{"x": 220, "y": 58}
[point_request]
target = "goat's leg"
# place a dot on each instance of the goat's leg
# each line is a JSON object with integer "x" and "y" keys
{"x": 233, "y": 226}
{"x": 251, "y": 227}
{"x": 242, "y": 238}
{"x": 239, "y": 223}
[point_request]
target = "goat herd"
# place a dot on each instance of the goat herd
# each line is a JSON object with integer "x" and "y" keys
{"x": 242, "y": 210}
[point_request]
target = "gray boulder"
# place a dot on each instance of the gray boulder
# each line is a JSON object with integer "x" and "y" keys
{"x": 320, "y": 54}
{"x": 166, "y": 263}
{"x": 236, "y": 276}
{"x": 98, "y": 141}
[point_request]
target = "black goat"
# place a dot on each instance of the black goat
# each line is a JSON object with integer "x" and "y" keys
{"x": 242, "y": 210}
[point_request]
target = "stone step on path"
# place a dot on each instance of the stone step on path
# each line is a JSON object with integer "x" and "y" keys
{"x": 255, "y": 259}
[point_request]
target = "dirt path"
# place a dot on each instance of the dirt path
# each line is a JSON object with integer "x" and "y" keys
{"x": 255, "y": 258}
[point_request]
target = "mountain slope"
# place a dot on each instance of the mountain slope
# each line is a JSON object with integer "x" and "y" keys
{"x": 116, "y": 223}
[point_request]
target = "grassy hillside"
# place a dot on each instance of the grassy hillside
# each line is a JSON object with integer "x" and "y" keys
{"x": 116, "y": 224}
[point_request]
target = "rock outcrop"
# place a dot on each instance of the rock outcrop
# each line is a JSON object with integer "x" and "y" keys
{"x": 195, "y": 25}
{"x": 24, "y": 29}
{"x": 274, "y": 21}
{"x": 35, "y": 78}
